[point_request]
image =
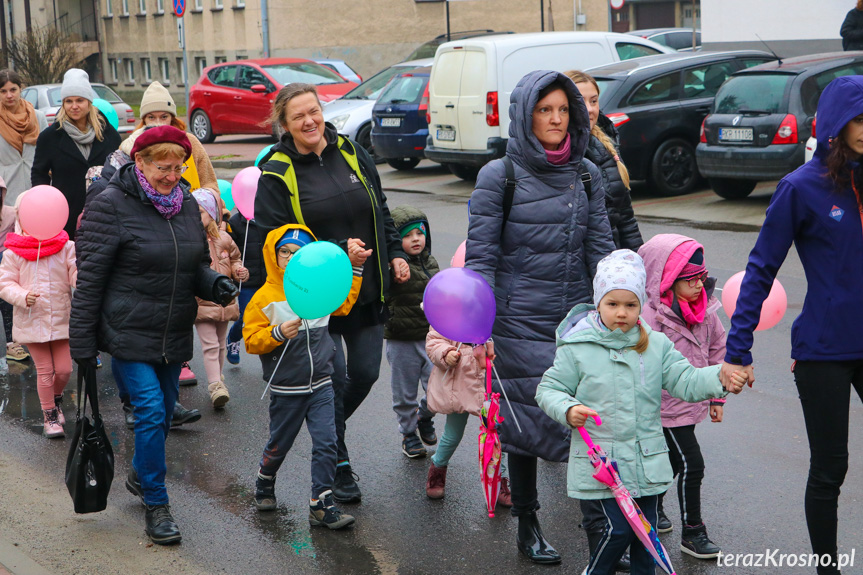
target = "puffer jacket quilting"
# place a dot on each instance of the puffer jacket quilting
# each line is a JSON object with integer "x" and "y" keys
{"x": 226, "y": 259}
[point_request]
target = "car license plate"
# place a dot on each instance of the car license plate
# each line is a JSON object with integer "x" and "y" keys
{"x": 446, "y": 135}
{"x": 735, "y": 135}
{"x": 391, "y": 122}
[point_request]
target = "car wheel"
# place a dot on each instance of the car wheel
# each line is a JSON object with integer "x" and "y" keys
{"x": 673, "y": 170}
{"x": 201, "y": 127}
{"x": 364, "y": 139}
{"x": 403, "y": 163}
{"x": 467, "y": 173}
{"x": 731, "y": 189}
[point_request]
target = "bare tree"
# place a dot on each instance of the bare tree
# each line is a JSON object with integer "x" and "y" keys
{"x": 42, "y": 56}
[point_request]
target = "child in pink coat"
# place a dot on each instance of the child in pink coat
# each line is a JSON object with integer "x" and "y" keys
{"x": 681, "y": 304}
{"x": 456, "y": 387}
{"x": 41, "y": 294}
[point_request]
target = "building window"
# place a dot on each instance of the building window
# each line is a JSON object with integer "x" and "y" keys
{"x": 160, "y": 6}
{"x": 181, "y": 72}
{"x": 199, "y": 5}
{"x": 146, "y": 71}
{"x": 130, "y": 71}
{"x": 164, "y": 70}
{"x": 125, "y": 7}
{"x": 109, "y": 11}
{"x": 241, "y": 4}
{"x": 220, "y": 59}
{"x": 113, "y": 63}
{"x": 142, "y": 6}
{"x": 200, "y": 64}
{"x": 217, "y": 4}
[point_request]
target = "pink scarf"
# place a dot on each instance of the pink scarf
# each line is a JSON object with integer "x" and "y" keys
{"x": 693, "y": 313}
{"x": 560, "y": 156}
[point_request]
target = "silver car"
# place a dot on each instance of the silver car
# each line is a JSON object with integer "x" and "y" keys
{"x": 46, "y": 97}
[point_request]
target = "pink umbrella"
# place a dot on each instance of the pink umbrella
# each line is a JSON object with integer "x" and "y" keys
{"x": 607, "y": 474}
{"x": 489, "y": 443}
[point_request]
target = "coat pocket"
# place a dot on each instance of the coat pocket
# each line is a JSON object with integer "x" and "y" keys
{"x": 581, "y": 471}
{"x": 653, "y": 457}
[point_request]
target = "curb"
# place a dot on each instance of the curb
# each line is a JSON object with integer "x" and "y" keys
{"x": 232, "y": 164}
{"x": 17, "y": 562}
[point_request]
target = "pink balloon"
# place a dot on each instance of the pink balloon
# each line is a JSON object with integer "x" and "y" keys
{"x": 457, "y": 260}
{"x": 43, "y": 212}
{"x": 772, "y": 310}
{"x": 243, "y": 190}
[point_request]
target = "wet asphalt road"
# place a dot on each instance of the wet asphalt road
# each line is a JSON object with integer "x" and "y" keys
{"x": 757, "y": 461}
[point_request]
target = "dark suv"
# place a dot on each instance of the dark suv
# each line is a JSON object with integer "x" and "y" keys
{"x": 762, "y": 118}
{"x": 658, "y": 103}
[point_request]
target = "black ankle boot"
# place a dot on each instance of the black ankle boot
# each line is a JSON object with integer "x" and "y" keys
{"x": 531, "y": 543}
{"x": 593, "y": 539}
{"x": 128, "y": 412}
{"x": 161, "y": 527}
{"x": 182, "y": 415}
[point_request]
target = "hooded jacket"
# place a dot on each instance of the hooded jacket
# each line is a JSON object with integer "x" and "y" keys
{"x": 597, "y": 368}
{"x": 702, "y": 344}
{"x": 138, "y": 275}
{"x": 457, "y": 389}
{"x": 825, "y": 226}
{"x": 541, "y": 263}
{"x": 307, "y": 364}
{"x": 407, "y": 320}
{"x": 226, "y": 260}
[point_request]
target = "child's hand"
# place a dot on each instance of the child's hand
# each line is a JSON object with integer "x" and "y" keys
{"x": 290, "y": 329}
{"x": 716, "y": 413}
{"x": 480, "y": 352}
{"x": 452, "y": 358}
{"x": 31, "y": 298}
{"x": 736, "y": 382}
{"x": 242, "y": 274}
{"x": 356, "y": 253}
{"x": 577, "y": 415}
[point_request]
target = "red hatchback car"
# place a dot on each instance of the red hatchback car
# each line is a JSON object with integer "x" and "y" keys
{"x": 234, "y": 97}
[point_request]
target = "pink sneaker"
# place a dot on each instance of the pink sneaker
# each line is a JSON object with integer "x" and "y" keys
{"x": 187, "y": 376}
{"x": 52, "y": 427}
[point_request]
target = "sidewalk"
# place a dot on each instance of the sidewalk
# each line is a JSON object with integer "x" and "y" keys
{"x": 13, "y": 561}
{"x": 236, "y": 152}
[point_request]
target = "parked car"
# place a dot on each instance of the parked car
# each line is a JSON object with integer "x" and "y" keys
{"x": 762, "y": 118}
{"x": 352, "y": 113}
{"x": 472, "y": 80}
{"x": 46, "y": 98}
{"x": 677, "y": 38}
{"x": 342, "y": 69}
{"x": 236, "y": 97}
{"x": 399, "y": 124}
{"x": 658, "y": 103}
{"x": 429, "y": 49}
{"x": 811, "y": 143}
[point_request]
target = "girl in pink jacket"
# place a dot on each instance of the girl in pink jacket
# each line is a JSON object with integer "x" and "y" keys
{"x": 456, "y": 387}
{"x": 41, "y": 294}
{"x": 680, "y": 304}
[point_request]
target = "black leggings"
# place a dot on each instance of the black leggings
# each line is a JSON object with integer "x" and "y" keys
{"x": 825, "y": 394}
{"x": 522, "y": 483}
{"x": 688, "y": 465}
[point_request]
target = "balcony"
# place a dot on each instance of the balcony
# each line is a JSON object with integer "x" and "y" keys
{"x": 81, "y": 34}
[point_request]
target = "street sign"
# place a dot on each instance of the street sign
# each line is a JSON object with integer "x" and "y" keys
{"x": 179, "y": 8}
{"x": 181, "y": 36}
{"x": 615, "y": 4}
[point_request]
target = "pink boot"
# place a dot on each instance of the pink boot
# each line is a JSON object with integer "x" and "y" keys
{"x": 58, "y": 401}
{"x": 187, "y": 377}
{"x": 52, "y": 427}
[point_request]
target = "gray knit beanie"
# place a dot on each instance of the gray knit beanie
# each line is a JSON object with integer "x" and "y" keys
{"x": 76, "y": 82}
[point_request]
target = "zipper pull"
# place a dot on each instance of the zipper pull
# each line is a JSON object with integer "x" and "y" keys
{"x": 321, "y": 159}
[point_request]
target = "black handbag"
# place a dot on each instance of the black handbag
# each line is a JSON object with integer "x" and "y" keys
{"x": 90, "y": 464}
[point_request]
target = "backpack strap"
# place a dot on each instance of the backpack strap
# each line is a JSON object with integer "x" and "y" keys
{"x": 586, "y": 179}
{"x": 509, "y": 188}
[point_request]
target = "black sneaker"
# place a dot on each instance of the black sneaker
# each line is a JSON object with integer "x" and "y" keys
{"x": 265, "y": 493}
{"x": 183, "y": 415}
{"x": 161, "y": 528}
{"x": 427, "y": 433}
{"x": 696, "y": 543}
{"x": 345, "y": 488}
{"x": 134, "y": 486}
{"x": 412, "y": 446}
{"x": 324, "y": 513}
{"x": 663, "y": 523}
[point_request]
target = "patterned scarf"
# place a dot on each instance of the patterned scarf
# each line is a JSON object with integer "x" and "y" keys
{"x": 170, "y": 205}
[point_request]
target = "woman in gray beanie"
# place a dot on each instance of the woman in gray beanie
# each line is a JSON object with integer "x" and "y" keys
{"x": 78, "y": 139}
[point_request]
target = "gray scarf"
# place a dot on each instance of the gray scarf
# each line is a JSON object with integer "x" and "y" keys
{"x": 84, "y": 140}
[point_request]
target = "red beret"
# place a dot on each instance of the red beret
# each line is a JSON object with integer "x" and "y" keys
{"x": 162, "y": 135}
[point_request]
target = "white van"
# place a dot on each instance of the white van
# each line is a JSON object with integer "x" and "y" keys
{"x": 472, "y": 79}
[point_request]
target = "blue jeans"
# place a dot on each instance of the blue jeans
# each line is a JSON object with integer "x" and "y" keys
{"x": 153, "y": 389}
{"x": 618, "y": 536}
{"x": 353, "y": 378}
{"x": 118, "y": 379}
{"x": 236, "y": 332}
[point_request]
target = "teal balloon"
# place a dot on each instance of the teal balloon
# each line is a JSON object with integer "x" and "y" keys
{"x": 318, "y": 279}
{"x": 263, "y": 153}
{"x": 108, "y": 111}
{"x": 225, "y": 193}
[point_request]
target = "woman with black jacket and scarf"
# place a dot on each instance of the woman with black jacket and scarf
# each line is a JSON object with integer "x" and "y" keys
{"x": 142, "y": 258}
{"x": 318, "y": 178}
{"x": 78, "y": 139}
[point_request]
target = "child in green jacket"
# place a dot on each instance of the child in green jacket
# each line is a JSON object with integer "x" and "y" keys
{"x": 610, "y": 363}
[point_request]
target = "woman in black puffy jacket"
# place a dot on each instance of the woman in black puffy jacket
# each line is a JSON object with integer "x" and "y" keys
{"x": 602, "y": 151}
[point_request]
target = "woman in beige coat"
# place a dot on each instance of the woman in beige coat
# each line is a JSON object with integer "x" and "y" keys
{"x": 212, "y": 320}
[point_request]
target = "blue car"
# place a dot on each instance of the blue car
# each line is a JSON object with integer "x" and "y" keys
{"x": 399, "y": 119}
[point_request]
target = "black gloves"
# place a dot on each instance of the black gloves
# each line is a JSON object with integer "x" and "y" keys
{"x": 85, "y": 363}
{"x": 224, "y": 291}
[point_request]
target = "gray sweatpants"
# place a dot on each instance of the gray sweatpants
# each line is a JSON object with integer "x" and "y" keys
{"x": 410, "y": 365}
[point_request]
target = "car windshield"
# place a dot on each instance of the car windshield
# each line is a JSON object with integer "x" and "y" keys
{"x": 107, "y": 94}
{"x": 427, "y": 50}
{"x": 306, "y": 72}
{"x": 404, "y": 90}
{"x": 371, "y": 88}
{"x": 764, "y": 93}
{"x": 54, "y": 96}
{"x": 607, "y": 88}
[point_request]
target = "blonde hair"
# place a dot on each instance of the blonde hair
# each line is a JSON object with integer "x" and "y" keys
{"x": 643, "y": 339}
{"x": 212, "y": 229}
{"x": 579, "y": 77}
{"x": 93, "y": 118}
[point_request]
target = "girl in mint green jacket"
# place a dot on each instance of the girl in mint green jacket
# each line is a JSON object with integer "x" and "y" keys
{"x": 608, "y": 362}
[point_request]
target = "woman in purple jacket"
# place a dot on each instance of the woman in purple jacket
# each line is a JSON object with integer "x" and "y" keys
{"x": 818, "y": 208}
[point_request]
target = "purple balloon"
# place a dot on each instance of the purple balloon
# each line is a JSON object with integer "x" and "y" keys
{"x": 460, "y": 305}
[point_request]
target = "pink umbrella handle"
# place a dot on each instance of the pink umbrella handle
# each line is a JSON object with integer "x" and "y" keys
{"x": 586, "y": 437}
{"x": 487, "y": 375}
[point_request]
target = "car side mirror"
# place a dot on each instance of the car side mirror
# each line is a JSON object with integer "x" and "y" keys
{"x": 258, "y": 89}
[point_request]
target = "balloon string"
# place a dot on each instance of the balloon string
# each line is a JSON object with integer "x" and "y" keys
{"x": 503, "y": 389}
{"x": 275, "y": 369}
{"x": 243, "y": 255}
{"x": 35, "y": 278}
